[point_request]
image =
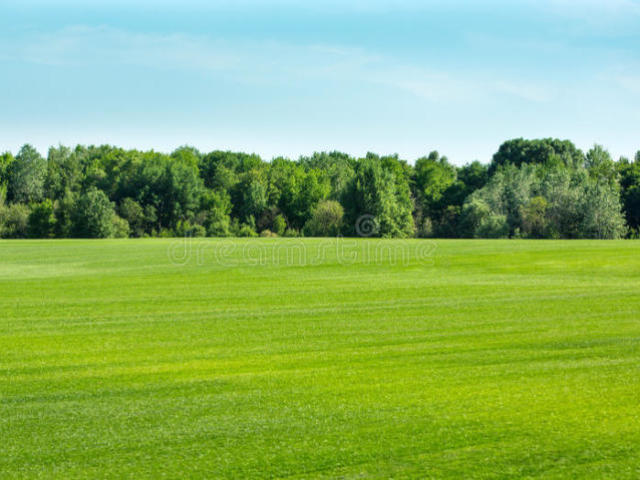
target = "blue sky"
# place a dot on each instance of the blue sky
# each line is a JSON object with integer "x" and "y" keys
{"x": 288, "y": 77}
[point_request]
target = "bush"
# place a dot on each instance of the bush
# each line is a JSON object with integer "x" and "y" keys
{"x": 120, "y": 227}
{"x": 292, "y": 233}
{"x": 219, "y": 227}
{"x": 279, "y": 225}
{"x": 246, "y": 231}
{"x": 326, "y": 219}
{"x": 187, "y": 229}
{"x": 14, "y": 221}
{"x": 166, "y": 233}
{"x": 268, "y": 234}
{"x": 493, "y": 226}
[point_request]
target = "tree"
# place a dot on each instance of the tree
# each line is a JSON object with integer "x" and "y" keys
{"x": 629, "y": 175}
{"x": 251, "y": 195}
{"x": 64, "y": 172}
{"x": 279, "y": 225}
{"x": 64, "y": 209}
{"x": 547, "y": 151}
{"x": 171, "y": 187}
{"x": 121, "y": 227}
{"x": 480, "y": 221}
{"x": 505, "y": 196}
{"x": 42, "y": 220}
{"x": 187, "y": 155}
{"x": 133, "y": 213}
{"x": 93, "y": 216}
{"x": 603, "y": 217}
{"x": 435, "y": 186}
{"x": 14, "y": 221}
{"x": 338, "y": 167}
{"x": 326, "y": 220}
{"x": 376, "y": 194}
{"x": 433, "y": 176}
{"x": 601, "y": 166}
{"x": 534, "y": 220}
{"x": 6, "y": 159}
{"x": 215, "y": 209}
{"x": 26, "y": 176}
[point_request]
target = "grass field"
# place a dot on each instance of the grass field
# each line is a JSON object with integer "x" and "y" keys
{"x": 318, "y": 358}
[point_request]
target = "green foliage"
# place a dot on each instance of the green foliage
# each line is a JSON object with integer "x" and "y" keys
{"x": 64, "y": 209}
{"x": 219, "y": 192}
{"x": 602, "y": 212}
{"x": 433, "y": 176}
{"x": 543, "y": 202}
{"x": 251, "y": 195}
{"x": 121, "y": 227}
{"x": 292, "y": 233}
{"x": 246, "y": 230}
{"x": 27, "y": 175}
{"x": 534, "y": 217}
{"x": 14, "y": 221}
{"x": 479, "y": 220}
{"x": 93, "y": 216}
{"x": 548, "y": 152}
{"x": 133, "y": 213}
{"x": 378, "y": 192}
{"x": 326, "y": 220}
{"x": 279, "y": 225}
{"x": 186, "y": 229}
{"x": 215, "y": 209}
{"x": 42, "y": 220}
{"x": 601, "y": 166}
{"x": 64, "y": 172}
{"x": 6, "y": 159}
{"x": 629, "y": 175}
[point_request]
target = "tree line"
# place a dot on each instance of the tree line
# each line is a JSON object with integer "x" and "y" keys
{"x": 531, "y": 189}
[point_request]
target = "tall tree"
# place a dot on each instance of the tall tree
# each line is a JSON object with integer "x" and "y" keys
{"x": 27, "y": 176}
{"x": 374, "y": 196}
{"x": 93, "y": 216}
{"x": 547, "y": 151}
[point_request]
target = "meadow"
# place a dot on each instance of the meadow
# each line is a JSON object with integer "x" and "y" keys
{"x": 290, "y": 358}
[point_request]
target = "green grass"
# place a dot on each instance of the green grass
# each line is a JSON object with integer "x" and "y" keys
{"x": 291, "y": 358}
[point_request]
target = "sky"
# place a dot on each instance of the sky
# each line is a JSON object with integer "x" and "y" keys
{"x": 288, "y": 78}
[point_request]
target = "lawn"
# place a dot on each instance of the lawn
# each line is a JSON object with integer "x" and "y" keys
{"x": 272, "y": 358}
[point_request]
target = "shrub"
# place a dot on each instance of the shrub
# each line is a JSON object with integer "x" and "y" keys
{"x": 326, "y": 219}
{"x": 120, "y": 227}
{"x": 268, "y": 234}
{"x": 292, "y": 233}
{"x": 247, "y": 231}
{"x": 187, "y": 229}
{"x": 279, "y": 225}
{"x": 14, "y": 221}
